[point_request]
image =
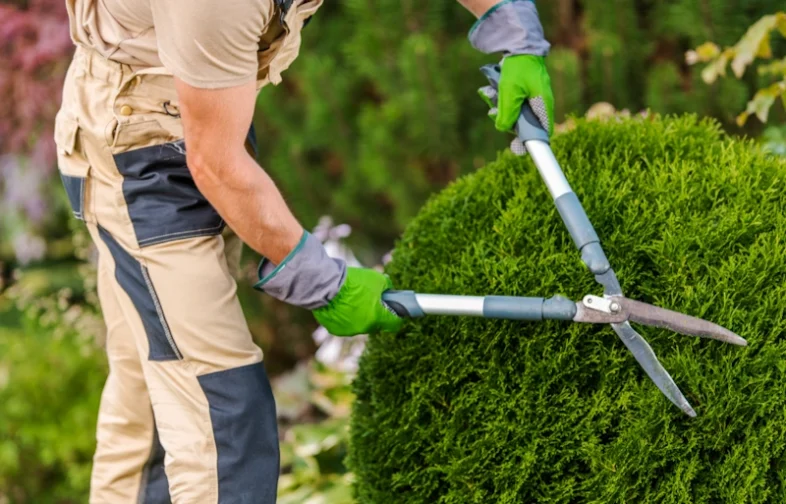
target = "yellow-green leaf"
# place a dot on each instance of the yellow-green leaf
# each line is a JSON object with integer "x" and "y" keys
{"x": 749, "y": 45}
{"x": 716, "y": 68}
{"x": 781, "y": 22}
{"x": 765, "y": 49}
{"x": 707, "y": 51}
{"x": 777, "y": 68}
{"x": 763, "y": 100}
{"x": 709, "y": 74}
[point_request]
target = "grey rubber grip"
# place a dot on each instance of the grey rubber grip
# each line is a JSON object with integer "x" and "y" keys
{"x": 608, "y": 279}
{"x": 528, "y": 126}
{"x": 582, "y": 232}
{"x": 513, "y": 308}
{"x": 403, "y": 303}
{"x": 576, "y": 220}
{"x": 559, "y": 308}
{"x": 595, "y": 259}
{"x": 528, "y": 308}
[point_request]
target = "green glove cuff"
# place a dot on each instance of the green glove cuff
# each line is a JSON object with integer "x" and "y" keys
{"x": 358, "y": 306}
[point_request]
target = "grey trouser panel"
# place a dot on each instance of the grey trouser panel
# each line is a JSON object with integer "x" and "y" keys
{"x": 187, "y": 413}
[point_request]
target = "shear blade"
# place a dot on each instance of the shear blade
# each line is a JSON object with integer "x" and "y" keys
{"x": 654, "y": 369}
{"x": 647, "y": 314}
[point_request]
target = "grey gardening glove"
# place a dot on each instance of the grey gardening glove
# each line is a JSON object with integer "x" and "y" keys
{"x": 346, "y": 301}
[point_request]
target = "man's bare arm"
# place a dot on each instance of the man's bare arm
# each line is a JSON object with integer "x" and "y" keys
{"x": 478, "y": 7}
{"x": 216, "y": 124}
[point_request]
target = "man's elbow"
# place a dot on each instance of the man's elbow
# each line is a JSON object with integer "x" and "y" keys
{"x": 201, "y": 166}
{"x": 211, "y": 166}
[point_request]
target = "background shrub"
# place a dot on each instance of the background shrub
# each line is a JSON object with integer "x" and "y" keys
{"x": 460, "y": 410}
{"x": 50, "y": 387}
{"x": 381, "y": 110}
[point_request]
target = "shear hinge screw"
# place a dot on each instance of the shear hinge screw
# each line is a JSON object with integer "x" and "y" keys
{"x": 614, "y": 307}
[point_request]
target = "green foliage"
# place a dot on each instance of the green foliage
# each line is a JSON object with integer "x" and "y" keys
{"x": 51, "y": 376}
{"x": 663, "y": 84}
{"x": 755, "y": 44}
{"x": 465, "y": 410}
{"x": 313, "y": 449}
{"x": 381, "y": 108}
{"x": 376, "y": 115}
{"x": 564, "y": 69}
{"x": 616, "y": 43}
{"x": 50, "y": 386}
{"x": 774, "y": 140}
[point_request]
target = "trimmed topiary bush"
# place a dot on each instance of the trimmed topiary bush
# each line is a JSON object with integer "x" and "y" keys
{"x": 463, "y": 410}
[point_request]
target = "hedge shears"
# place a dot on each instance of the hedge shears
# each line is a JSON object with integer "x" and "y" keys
{"x": 612, "y": 308}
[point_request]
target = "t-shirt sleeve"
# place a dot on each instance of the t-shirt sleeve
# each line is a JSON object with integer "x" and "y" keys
{"x": 210, "y": 43}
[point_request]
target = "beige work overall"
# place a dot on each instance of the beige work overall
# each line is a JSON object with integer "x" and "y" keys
{"x": 187, "y": 414}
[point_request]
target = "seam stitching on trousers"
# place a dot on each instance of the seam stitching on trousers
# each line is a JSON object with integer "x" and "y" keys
{"x": 160, "y": 313}
{"x": 79, "y": 215}
{"x": 184, "y": 234}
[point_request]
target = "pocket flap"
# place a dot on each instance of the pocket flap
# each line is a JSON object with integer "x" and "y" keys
{"x": 66, "y": 129}
{"x": 70, "y": 158}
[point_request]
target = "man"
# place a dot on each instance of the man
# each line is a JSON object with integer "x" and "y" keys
{"x": 157, "y": 157}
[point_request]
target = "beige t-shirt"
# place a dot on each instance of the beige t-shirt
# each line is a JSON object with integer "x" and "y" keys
{"x": 206, "y": 43}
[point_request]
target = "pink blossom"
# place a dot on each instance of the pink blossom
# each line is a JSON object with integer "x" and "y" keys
{"x": 35, "y": 49}
{"x": 29, "y": 248}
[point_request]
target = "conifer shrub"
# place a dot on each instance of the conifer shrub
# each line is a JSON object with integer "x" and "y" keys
{"x": 465, "y": 410}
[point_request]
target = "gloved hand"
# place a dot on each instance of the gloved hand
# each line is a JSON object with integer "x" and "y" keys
{"x": 346, "y": 301}
{"x": 358, "y": 306}
{"x": 513, "y": 28}
{"x": 523, "y": 77}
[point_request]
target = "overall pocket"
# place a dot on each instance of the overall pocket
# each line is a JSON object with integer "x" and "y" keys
{"x": 71, "y": 163}
{"x": 163, "y": 201}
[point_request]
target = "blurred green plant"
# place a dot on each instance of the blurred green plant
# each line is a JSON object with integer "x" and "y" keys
{"x": 755, "y": 45}
{"x": 314, "y": 403}
{"x": 381, "y": 110}
{"x": 51, "y": 376}
{"x": 774, "y": 140}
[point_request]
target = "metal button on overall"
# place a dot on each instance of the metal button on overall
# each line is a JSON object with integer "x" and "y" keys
{"x": 126, "y": 110}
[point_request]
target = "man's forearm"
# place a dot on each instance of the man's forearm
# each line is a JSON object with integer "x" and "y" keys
{"x": 215, "y": 124}
{"x": 478, "y": 7}
{"x": 251, "y": 204}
